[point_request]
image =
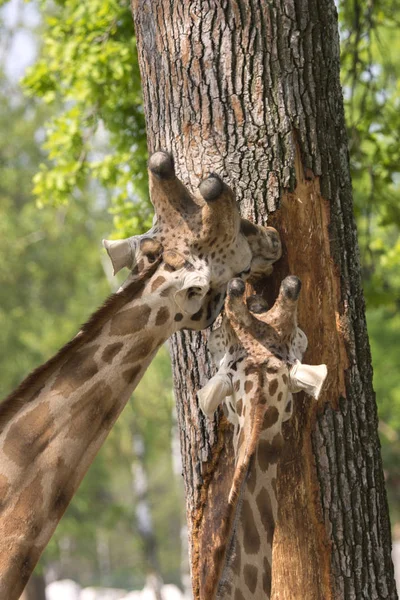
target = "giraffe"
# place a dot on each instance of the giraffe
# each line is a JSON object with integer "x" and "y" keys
{"x": 53, "y": 424}
{"x": 258, "y": 354}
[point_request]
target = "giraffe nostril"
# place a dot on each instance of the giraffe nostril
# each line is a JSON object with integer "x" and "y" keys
{"x": 211, "y": 188}
{"x": 291, "y": 287}
{"x": 161, "y": 164}
{"x": 236, "y": 287}
{"x": 194, "y": 291}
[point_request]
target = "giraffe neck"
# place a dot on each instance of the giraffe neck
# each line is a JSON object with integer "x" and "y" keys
{"x": 240, "y": 568}
{"x": 247, "y": 571}
{"x": 52, "y": 426}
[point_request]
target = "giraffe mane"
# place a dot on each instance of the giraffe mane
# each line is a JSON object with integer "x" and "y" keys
{"x": 222, "y": 554}
{"x": 34, "y": 382}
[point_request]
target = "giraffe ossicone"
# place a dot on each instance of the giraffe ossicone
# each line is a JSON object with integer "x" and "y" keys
{"x": 54, "y": 423}
{"x": 258, "y": 355}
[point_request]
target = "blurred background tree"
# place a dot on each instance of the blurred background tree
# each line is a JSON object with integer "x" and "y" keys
{"x": 371, "y": 85}
{"x": 79, "y": 135}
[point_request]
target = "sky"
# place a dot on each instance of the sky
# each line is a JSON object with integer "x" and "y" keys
{"x": 18, "y": 45}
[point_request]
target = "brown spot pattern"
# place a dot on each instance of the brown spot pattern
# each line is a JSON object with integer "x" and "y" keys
{"x": 271, "y": 416}
{"x": 248, "y": 386}
{"x": 264, "y": 505}
{"x": 62, "y": 487}
{"x": 236, "y": 385}
{"x": 267, "y": 577}
{"x": 128, "y": 321}
{"x": 251, "y": 537}
{"x": 27, "y": 514}
{"x": 111, "y": 351}
{"x": 140, "y": 351}
{"x": 250, "y": 577}
{"x": 157, "y": 283}
{"x": 77, "y": 369}
{"x": 269, "y": 452}
{"x": 87, "y": 415}
{"x": 273, "y": 386}
{"x": 130, "y": 374}
{"x": 29, "y": 435}
{"x": 239, "y": 407}
{"x": 197, "y": 316}
{"x": 162, "y": 316}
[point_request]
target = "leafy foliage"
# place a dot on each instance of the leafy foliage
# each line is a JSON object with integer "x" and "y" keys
{"x": 35, "y": 248}
{"x": 88, "y": 68}
{"x": 371, "y": 75}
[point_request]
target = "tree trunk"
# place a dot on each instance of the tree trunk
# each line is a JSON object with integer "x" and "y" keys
{"x": 35, "y": 588}
{"x": 251, "y": 91}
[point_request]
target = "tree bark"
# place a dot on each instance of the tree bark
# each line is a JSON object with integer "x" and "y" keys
{"x": 251, "y": 91}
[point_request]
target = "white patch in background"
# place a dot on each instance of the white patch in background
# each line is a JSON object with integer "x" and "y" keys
{"x": 69, "y": 590}
{"x": 396, "y": 562}
{"x": 18, "y": 46}
{"x": 63, "y": 590}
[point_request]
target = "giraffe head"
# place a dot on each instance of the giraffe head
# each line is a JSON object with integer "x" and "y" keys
{"x": 203, "y": 240}
{"x": 268, "y": 338}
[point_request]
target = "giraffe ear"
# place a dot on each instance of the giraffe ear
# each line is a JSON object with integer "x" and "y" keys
{"x": 190, "y": 296}
{"x": 120, "y": 252}
{"x": 213, "y": 393}
{"x": 309, "y": 378}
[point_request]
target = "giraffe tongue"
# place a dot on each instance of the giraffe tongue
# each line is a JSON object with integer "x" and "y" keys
{"x": 213, "y": 393}
{"x": 309, "y": 378}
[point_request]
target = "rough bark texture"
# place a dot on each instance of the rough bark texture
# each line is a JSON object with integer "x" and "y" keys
{"x": 250, "y": 90}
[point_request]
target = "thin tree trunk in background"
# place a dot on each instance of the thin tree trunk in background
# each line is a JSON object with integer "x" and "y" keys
{"x": 144, "y": 522}
{"x": 185, "y": 582}
{"x": 35, "y": 588}
{"x": 251, "y": 91}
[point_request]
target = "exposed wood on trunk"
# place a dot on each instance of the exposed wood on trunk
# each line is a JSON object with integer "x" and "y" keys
{"x": 251, "y": 90}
